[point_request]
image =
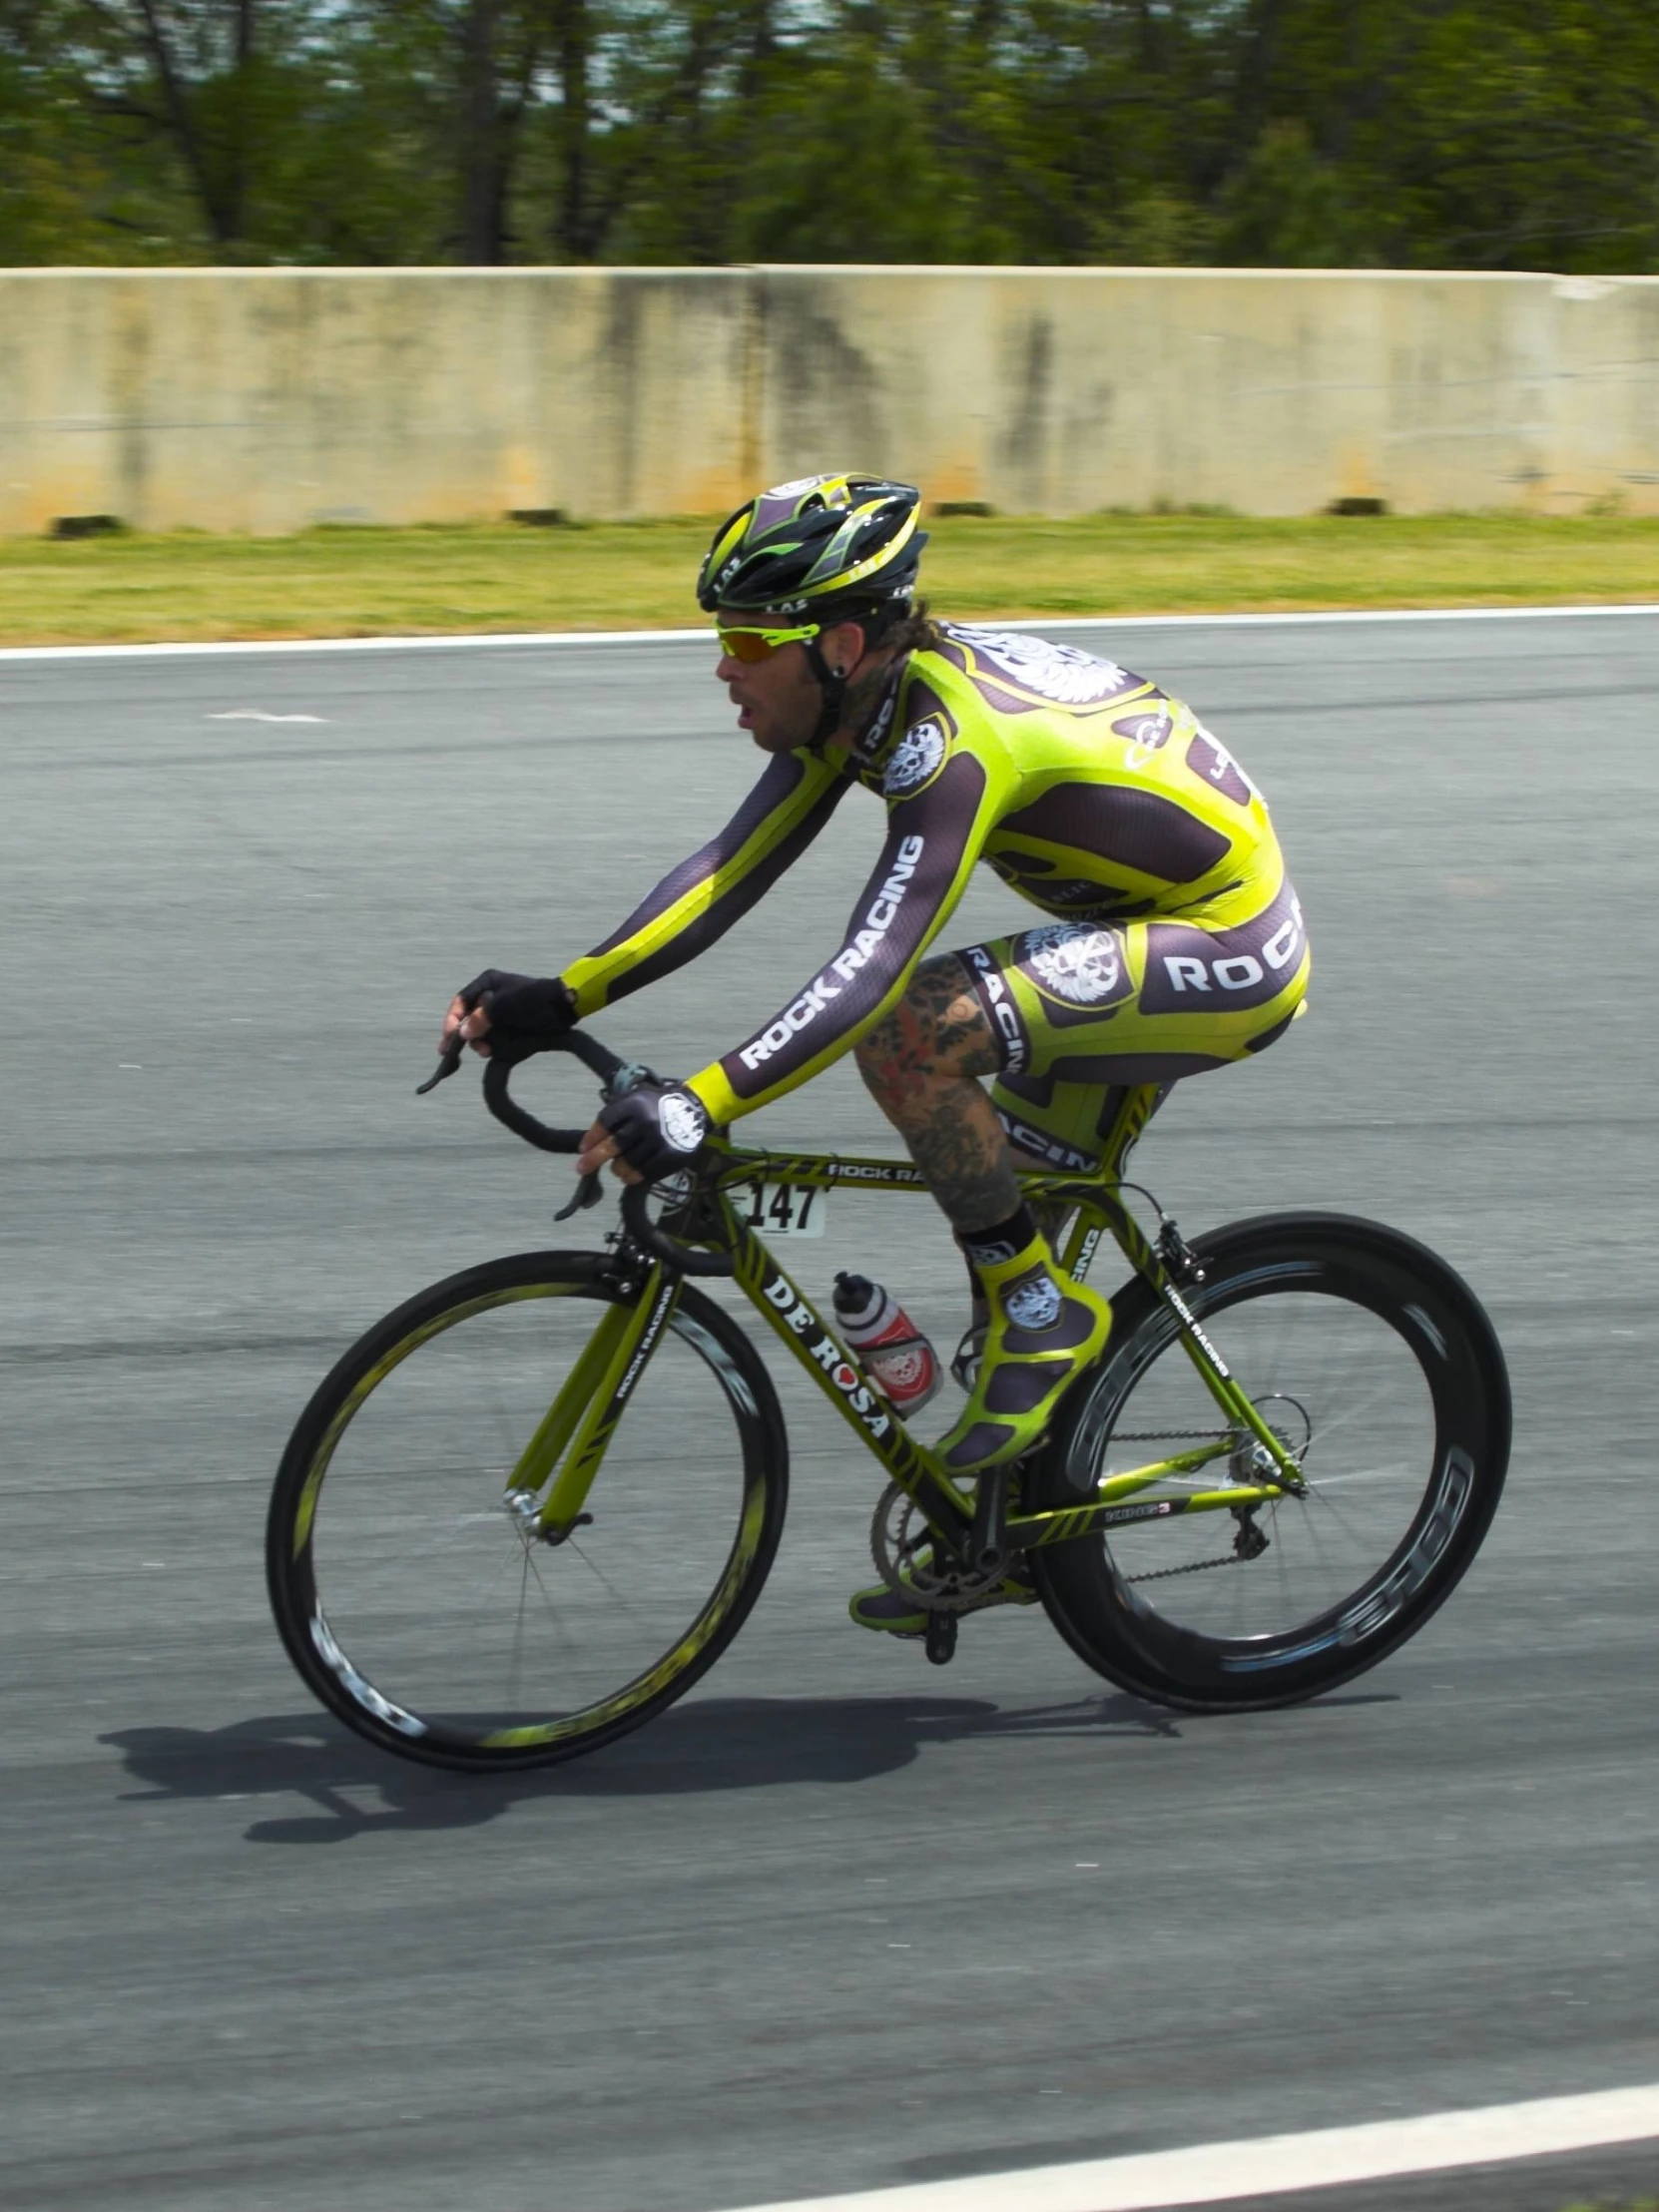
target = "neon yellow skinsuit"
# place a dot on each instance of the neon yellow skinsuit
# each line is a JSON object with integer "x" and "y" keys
{"x": 1177, "y": 943}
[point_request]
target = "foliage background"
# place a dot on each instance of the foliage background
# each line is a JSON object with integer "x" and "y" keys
{"x": 1475, "y": 134}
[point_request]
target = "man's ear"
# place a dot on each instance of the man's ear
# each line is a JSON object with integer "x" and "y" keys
{"x": 843, "y": 647}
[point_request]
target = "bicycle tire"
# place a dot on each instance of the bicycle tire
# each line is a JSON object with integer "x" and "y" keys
{"x": 1132, "y": 1602}
{"x": 391, "y": 1558}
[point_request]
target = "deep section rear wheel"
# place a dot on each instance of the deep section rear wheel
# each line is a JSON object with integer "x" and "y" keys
{"x": 1376, "y": 1365}
{"x": 426, "y": 1616}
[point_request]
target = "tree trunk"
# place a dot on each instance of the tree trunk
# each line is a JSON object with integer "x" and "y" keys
{"x": 573, "y": 229}
{"x": 238, "y": 152}
{"x": 483, "y": 140}
{"x": 221, "y": 213}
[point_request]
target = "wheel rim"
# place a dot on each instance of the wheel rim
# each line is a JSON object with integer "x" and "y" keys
{"x": 1368, "y": 1381}
{"x": 431, "y": 1611}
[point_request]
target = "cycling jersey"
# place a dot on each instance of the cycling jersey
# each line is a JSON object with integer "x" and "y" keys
{"x": 1094, "y": 795}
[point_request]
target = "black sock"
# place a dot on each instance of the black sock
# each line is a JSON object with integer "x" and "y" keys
{"x": 983, "y": 1248}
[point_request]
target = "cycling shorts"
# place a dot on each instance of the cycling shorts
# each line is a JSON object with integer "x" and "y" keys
{"x": 1082, "y": 1008}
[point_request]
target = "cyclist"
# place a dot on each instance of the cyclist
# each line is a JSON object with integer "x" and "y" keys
{"x": 1175, "y": 941}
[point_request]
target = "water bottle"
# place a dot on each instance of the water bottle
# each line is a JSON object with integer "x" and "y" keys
{"x": 901, "y": 1363}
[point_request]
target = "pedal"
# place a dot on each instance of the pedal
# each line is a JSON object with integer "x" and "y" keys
{"x": 942, "y": 1638}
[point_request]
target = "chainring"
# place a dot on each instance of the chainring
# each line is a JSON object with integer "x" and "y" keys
{"x": 902, "y": 1544}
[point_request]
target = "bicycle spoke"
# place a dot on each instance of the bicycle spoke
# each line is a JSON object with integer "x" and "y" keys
{"x": 454, "y": 1609}
{"x": 1334, "y": 1379}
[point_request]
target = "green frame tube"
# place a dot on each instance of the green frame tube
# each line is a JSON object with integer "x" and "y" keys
{"x": 584, "y": 1415}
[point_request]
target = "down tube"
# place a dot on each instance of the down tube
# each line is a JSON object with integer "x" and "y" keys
{"x": 845, "y": 1384}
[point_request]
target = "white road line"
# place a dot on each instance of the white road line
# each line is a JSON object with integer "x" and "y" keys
{"x": 466, "y": 643}
{"x": 257, "y": 714}
{"x": 1217, "y": 2173}
{"x": 487, "y": 641}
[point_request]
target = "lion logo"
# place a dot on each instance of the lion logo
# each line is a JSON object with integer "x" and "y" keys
{"x": 1060, "y": 672}
{"x": 1074, "y": 962}
{"x": 915, "y": 759}
{"x": 683, "y": 1121}
{"x": 1033, "y": 1303}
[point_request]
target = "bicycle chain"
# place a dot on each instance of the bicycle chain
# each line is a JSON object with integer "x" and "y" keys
{"x": 967, "y": 1600}
{"x": 1196, "y": 1566}
{"x": 1157, "y": 1435}
{"x": 1171, "y": 1436}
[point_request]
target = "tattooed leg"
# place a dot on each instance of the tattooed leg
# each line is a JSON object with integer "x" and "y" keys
{"x": 921, "y": 1064}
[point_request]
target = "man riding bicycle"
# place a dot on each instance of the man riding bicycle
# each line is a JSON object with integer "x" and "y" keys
{"x": 1175, "y": 942}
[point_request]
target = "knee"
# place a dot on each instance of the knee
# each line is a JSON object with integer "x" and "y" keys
{"x": 885, "y": 1061}
{"x": 935, "y": 1035}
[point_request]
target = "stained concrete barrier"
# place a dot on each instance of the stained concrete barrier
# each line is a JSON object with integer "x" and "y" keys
{"x": 267, "y": 400}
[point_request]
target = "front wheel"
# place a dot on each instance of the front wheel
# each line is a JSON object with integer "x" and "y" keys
{"x": 427, "y": 1614}
{"x": 1377, "y": 1366}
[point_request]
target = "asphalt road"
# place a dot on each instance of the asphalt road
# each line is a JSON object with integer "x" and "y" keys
{"x": 841, "y": 1919}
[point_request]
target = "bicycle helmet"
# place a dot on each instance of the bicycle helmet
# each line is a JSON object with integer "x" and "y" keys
{"x": 832, "y": 548}
{"x": 815, "y": 543}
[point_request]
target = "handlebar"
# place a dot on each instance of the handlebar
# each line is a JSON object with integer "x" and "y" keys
{"x": 608, "y": 1066}
{"x": 507, "y": 1111}
{"x": 687, "y": 1259}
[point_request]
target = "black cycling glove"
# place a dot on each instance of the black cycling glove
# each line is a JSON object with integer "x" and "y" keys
{"x": 658, "y": 1128}
{"x": 527, "y": 1013}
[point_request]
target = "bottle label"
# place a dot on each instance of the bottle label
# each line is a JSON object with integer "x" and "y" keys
{"x": 904, "y": 1371}
{"x": 900, "y": 1361}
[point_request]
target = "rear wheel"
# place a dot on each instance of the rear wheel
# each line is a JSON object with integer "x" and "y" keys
{"x": 1375, "y": 1362}
{"x": 427, "y": 1614}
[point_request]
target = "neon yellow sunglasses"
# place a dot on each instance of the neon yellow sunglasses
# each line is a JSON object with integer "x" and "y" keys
{"x": 747, "y": 643}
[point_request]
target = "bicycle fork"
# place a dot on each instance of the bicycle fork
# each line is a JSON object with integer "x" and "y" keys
{"x": 583, "y": 1416}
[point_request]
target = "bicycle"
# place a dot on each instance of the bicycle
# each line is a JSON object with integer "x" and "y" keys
{"x": 527, "y": 1554}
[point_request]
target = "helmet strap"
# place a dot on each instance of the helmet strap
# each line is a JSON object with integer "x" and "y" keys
{"x": 834, "y": 690}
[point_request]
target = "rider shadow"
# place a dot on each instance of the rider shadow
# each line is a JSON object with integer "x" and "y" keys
{"x": 695, "y": 1749}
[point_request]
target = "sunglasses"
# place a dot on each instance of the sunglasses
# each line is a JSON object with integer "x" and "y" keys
{"x": 760, "y": 645}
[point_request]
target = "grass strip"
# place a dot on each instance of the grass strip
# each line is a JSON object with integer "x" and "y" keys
{"x": 367, "y": 582}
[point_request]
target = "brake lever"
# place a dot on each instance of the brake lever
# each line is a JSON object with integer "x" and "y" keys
{"x": 585, "y": 1194}
{"x": 448, "y": 1061}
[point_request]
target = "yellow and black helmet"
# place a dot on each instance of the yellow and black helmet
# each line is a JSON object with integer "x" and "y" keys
{"x": 815, "y": 542}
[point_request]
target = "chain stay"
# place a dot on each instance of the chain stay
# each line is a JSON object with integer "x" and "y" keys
{"x": 1170, "y": 1436}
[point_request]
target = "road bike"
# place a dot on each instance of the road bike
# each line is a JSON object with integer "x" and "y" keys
{"x": 531, "y": 1507}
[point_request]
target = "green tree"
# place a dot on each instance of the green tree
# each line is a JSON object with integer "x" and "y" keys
{"x": 1493, "y": 134}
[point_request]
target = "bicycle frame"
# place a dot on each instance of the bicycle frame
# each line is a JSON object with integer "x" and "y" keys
{"x": 584, "y": 1415}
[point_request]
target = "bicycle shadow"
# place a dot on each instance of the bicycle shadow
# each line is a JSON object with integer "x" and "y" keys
{"x": 704, "y": 1746}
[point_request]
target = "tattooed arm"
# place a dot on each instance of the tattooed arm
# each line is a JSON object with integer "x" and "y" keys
{"x": 933, "y": 842}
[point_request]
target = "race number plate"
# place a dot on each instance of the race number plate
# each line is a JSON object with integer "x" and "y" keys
{"x": 783, "y": 1210}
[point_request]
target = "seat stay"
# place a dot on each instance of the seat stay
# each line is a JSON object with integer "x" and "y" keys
{"x": 1102, "y": 1201}
{"x": 1114, "y": 1486}
{"x": 1234, "y": 1400}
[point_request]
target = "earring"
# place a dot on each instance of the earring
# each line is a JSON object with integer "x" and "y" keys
{"x": 839, "y": 674}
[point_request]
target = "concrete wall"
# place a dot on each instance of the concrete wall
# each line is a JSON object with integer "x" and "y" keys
{"x": 265, "y": 399}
